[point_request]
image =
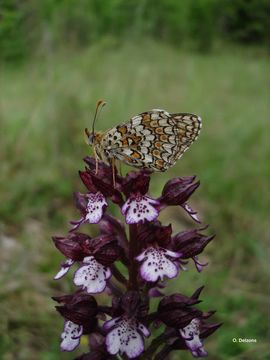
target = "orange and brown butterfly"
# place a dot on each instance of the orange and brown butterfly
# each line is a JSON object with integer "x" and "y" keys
{"x": 154, "y": 139}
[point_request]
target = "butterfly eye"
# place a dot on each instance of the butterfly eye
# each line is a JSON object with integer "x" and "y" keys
{"x": 89, "y": 137}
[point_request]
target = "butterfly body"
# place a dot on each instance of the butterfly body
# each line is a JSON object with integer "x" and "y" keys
{"x": 154, "y": 139}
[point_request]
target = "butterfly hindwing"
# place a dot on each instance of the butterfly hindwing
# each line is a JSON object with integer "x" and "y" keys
{"x": 153, "y": 139}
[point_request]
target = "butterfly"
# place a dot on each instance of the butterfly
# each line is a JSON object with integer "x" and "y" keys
{"x": 154, "y": 139}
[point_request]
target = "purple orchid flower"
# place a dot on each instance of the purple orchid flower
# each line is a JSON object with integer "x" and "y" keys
{"x": 178, "y": 312}
{"x": 92, "y": 275}
{"x": 158, "y": 262}
{"x": 138, "y": 207}
{"x": 125, "y": 331}
{"x": 125, "y": 336}
{"x": 79, "y": 311}
{"x": 190, "y": 334}
{"x": 130, "y": 269}
{"x": 191, "y": 243}
{"x": 70, "y": 336}
{"x": 177, "y": 191}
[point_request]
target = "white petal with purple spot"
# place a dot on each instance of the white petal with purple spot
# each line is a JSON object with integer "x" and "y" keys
{"x": 192, "y": 213}
{"x": 64, "y": 269}
{"x": 140, "y": 208}
{"x": 156, "y": 263}
{"x": 190, "y": 334}
{"x": 92, "y": 276}
{"x": 70, "y": 336}
{"x": 126, "y": 337}
{"x": 95, "y": 207}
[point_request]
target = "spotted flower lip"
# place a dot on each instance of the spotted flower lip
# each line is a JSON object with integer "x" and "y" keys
{"x": 92, "y": 207}
{"x": 95, "y": 207}
{"x": 190, "y": 334}
{"x": 140, "y": 208}
{"x": 92, "y": 275}
{"x": 125, "y": 335}
{"x": 70, "y": 336}
{"x": 157, "y": 263}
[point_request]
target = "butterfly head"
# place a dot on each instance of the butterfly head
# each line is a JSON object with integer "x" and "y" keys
{"x": 91, "y": 136}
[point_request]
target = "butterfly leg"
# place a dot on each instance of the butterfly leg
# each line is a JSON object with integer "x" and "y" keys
{"x": 96, "y": 159}
{"x": 96, "y": 166}
{"x": 113, "y": 171}
{"x": 120, "y": 168}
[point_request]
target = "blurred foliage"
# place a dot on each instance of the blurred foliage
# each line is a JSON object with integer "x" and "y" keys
{"x": 28, "y": 26}
{"x": 47, "y": 101}
{"x": 247, "y": 21}
{"x": 44, "y": 106}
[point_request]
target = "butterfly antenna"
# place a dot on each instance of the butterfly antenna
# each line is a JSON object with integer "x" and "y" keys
{"x": 100, "y": 105}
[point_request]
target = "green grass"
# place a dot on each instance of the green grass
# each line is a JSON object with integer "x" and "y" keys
{"x": 44, "y": 106}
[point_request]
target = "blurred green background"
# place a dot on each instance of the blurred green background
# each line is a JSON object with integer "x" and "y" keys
{"x": 209, "y": 57}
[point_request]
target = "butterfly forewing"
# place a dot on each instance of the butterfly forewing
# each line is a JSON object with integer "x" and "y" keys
{"x": 153, "y": 139}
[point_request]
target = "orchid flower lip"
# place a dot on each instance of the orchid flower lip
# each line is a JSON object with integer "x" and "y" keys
{"x": 157, "y": 263}
{"x": 71, "y": 336}
{"x": 125, "y": 335}
{"x": 140, "y": 208}
{"x": 92, "y": 206}
{"x": 190, "y": 334}
{"x": 95, "y": 207}
{"x": 92, "y": 276}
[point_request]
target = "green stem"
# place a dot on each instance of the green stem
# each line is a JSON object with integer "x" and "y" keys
{"x": 118, "y": 275}
{"x": 155, "y": 344}
{"x": 163, "y": 353}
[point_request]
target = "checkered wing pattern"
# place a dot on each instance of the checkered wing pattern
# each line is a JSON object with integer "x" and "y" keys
{"x": 153, "y": 139}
